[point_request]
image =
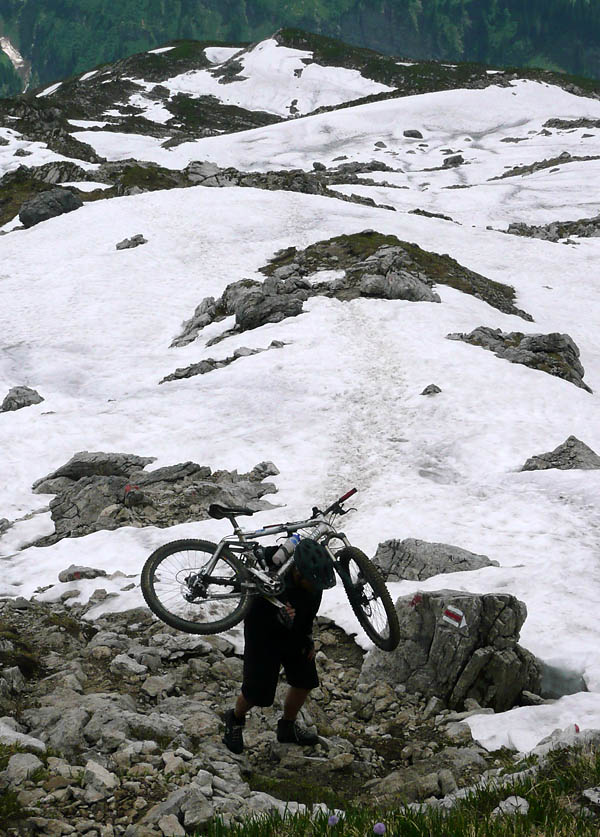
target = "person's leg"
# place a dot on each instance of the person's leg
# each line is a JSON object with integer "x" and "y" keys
{"x": 242, "y": 706}
{"x": 261, "y": 670}
{"x": 302, "y": 676}
{"x": 294, "y": 701}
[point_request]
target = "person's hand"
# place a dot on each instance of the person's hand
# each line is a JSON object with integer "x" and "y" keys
{"x": 310, "y": 654}
{"x": 290, "y": 611}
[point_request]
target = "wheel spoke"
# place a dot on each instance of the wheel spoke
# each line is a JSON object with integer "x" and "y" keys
{"x": 214, "y": 598}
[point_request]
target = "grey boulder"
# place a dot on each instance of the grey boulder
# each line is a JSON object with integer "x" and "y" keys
{"x": 134, "y": 241}
{"x": 48, "y": 205}
{"x": 573, "y": 453}
{"x": 96, "y": 464}
{"x": 74, "y": 573}
{"x": 554, "y": 353}
{"x": 256, "y": 308}
{"x": 455, "y": 646}
{"x": 397, "y": 284}
{"x": 19, "y": 397}
{"x": 453, "y": 161}
{"x": 415, "y": 559}
{"x": 21, "y": 766}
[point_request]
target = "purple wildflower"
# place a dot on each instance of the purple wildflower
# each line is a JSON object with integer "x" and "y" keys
{"x": 333, "y": 820}
{"x": 379, "y": 828}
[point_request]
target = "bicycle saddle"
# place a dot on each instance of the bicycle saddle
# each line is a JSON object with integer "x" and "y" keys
{"x": 219, "y": 512}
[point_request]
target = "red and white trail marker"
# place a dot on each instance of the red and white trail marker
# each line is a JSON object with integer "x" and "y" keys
{"x": 454, "y": 616}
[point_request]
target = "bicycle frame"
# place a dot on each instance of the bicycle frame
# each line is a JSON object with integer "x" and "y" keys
{"x": 243, "y": 542}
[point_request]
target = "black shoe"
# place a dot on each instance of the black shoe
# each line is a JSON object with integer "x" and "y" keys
{"x": 233, "y": 738}
{"x": 290, "y": 732}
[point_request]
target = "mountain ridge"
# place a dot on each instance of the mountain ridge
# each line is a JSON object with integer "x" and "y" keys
{"x": 61, "y": 39}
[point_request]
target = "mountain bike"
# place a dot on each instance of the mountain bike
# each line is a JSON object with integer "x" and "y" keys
{"x": 204, "y": 588}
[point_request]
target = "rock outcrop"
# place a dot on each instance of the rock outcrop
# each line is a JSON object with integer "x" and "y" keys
{"x": 573, "y": 453}
{"x": 417, "y": 560}
{"x": 554, "y": 353}
{"x": 92, "y": 493}
{"x": 48, "y": 204}
{"x": 134, "y": 241}
{"x": 367, "y": 264}
{"x": 456, "y": 646}
{"x": 210, "y": 364}
{"x": 453, "y": 161}
{"x": 551, "y": 162}
{"x": 19, "y": 397}
{"x": 557, "y": 230}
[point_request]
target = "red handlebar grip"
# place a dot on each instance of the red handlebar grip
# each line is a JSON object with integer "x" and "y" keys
{"x": 347, "y": 494}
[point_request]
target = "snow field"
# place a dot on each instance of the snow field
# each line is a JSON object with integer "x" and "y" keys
{"x": 340, "y": 404}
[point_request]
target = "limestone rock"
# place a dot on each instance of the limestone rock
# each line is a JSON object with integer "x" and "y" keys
{"x": 48, "y": 205}
{"x": 19, "y": 397}
{"x": 123, "y": 665}
{"x": 557, "y": 230}
{"x": 170, "y": 826}
{"x": 96, "y": 463}
{"x": 13, "y": 678}
{"x": 453, "y": 161}
{"x": 511, "y": 806}
{"x": 10, "y": 734}
{"x": 554, "y": 353}
{"x": 415, "y": 559}
{"x": 91, "y": 493}
{"x": 397, "y": 285}
{"x": 99, "y": 782}
{"x": 21, "y": 766}
{"x": 134, "y": 241}
{"x": 592, "y": 795}
{"x": 257, "y": 308}
{"x": 571, "y": 454}
{"x": 210, "y": 364}
{"x": 74, "y": 573}
{"x": 371, "y": 265}
{"x": 196, "y": 808}
{"x": 431, "y": 389}
{"x": 456, "y": 645}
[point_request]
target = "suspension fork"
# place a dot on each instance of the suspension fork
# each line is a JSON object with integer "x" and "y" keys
{"x": 346, "y": 580}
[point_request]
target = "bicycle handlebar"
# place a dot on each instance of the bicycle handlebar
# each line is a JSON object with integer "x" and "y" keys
{"x": 341, "y": 499}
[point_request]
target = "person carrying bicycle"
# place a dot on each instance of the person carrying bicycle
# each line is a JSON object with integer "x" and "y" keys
{"x": 275, "y": 638}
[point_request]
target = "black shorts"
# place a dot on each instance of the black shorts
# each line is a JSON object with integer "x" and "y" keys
{"x": 265, "y": 652}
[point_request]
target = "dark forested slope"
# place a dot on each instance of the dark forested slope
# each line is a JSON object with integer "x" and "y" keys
{"x": 62, "y": 37}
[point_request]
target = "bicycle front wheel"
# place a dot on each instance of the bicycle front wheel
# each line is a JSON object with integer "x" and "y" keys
{"x": 179, "y": 590}
{"x": 369, "y": 598}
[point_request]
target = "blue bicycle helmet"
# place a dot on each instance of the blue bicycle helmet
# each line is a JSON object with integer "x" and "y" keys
{"x": 314, "y": 563}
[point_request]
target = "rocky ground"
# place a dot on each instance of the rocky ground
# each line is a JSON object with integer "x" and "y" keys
{"x": 115, "y": 727}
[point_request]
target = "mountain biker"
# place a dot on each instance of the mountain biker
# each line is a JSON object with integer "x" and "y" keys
{"x": 272, "y": 641}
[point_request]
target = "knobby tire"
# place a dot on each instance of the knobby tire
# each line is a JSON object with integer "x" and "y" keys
{"x": 385, "y": 637}
{"x": 166, "y": 556}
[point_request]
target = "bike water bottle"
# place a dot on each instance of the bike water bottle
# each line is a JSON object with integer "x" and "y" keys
{"x": 286, "y": 550}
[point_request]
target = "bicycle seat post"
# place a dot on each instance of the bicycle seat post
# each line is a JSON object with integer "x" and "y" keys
{"x": 236, "y": 527}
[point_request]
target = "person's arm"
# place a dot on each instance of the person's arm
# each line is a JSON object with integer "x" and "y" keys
{"x": 302, "y": 626}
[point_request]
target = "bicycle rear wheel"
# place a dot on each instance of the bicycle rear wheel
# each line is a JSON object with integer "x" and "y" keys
{"x": 179, "y": 591}
{"x": 369, "y": 598}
